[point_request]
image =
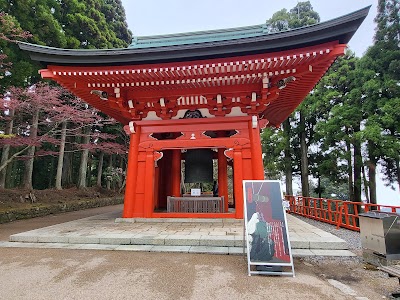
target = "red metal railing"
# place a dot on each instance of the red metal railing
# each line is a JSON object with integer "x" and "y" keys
{"x": 337, "y": 212}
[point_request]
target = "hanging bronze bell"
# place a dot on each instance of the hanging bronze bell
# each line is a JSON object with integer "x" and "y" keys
{"x": 199, "y": 166}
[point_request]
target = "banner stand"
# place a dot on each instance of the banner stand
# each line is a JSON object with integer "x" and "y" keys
{"x": 266, "y": 232}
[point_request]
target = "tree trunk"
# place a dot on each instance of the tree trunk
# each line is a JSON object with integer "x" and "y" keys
{"x": 11, "y": 173}
{"x": 89, "y": 170}
{"x": 372, "y": 181}
{"x": 31, "y": 152}
{"x": 121, "y": 167}
{"x": 53, "y": 171}
{"x": 84, "y": 160}
{"x": 371, "y": 164}
{"x": 110, "y": 163}
{"x": 100, "y": 169}
{"x": 350, "y": 170}
{"x": 398, "y": 172}
{"x": 124, "y": 165}
{"x": 304, "y": 158}
{"x": 61, "y": 152}
{"x": 366, "y": 185}
{"x": 6, "y": 150}
{"x": 67, "y": 170}
{"x": 319, "y": 187}
{"x": 357, "y": 168}
{"x": 288, "y": 158}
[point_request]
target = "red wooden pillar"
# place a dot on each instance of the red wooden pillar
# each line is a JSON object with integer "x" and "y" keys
{"x": 256, "y": 151}
{"x": 165, "y": 178}
{"x": 149, "y": 184}
{"x": 162, "y": 194}
{"x": 140, "y": 185}
{"x": 237, "y": 182}
{"x": 156, "y": 186}
{"x": 131, "y": 175}
{"x": 223, "y": 177}
{"x": 176, "y": 173}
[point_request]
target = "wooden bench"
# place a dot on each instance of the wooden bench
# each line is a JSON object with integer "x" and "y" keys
{"x": 195, "y": 204}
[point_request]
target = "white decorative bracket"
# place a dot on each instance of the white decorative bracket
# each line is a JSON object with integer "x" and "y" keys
{"x": 229, "y": 153}
{"x": 265, "y": 81}
{"x": 219, "y": 99}
{"x": 117, "y": 92}
{"x": 132, "y": 127}
{"x": 254, "y": 121}
{"x": 130, "y": 104}
{"x": 157, "y": 157}
{"x": 162, "y": 102}
{"x": 253, "y": 97}
{"x": 161, "y": 155}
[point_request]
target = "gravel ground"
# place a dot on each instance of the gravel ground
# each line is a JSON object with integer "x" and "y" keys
{"x": 350, "y": 236}
{"x": 43, "y": 274}
{"x": 350, "y": 269}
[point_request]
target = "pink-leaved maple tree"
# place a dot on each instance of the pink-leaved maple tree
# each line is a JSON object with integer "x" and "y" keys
{"x": 43, "y": 113}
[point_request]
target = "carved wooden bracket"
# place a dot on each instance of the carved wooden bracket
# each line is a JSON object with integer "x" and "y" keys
{"x": 158, "y": 155}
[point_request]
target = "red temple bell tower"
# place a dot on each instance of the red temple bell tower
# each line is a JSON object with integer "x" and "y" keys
{"x": 211, "y": 91}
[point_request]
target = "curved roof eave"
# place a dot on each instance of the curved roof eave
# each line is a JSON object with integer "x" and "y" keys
{"x": 340, "y": 29}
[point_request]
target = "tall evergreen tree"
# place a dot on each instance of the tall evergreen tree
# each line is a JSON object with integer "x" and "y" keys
{"x": 339, "y": 132}
{"x": 65, "y": 24}
{"x": 380, "y": 77}
{"x": 301, "y": 15}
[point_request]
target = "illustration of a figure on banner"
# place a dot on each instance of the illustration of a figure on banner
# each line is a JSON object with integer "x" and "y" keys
{"x": 262, "y": 246}
{"x": 265, "y": 227}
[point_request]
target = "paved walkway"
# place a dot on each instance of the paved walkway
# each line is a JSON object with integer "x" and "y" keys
{"x": 108, "y": 232}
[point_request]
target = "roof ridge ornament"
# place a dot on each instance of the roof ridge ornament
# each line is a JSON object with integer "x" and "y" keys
{"x": 134, "y": 41}
{"x": 265, "y": 28}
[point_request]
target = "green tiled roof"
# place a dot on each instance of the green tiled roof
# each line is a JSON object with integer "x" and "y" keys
{"x": 204, "y": 44}
{"x": 187, "y": 38}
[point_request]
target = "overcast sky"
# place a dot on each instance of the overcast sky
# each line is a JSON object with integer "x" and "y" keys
{"x": 153, "y": 17}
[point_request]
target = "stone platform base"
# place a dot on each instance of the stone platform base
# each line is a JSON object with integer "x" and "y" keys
{"x": 218, "y": 236}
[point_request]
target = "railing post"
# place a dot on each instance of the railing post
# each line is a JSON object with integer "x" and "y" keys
{"x": 346, "y": 213}
{"x": 328, "y": 202}
{"x": 315, "y": 208}
{"x": 355, "y": 219}
{"x": 339, "y": 222}
{"x": 303, "y": 201}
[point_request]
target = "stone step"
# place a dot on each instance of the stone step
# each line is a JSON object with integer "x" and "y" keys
{"x": 171, "y": 240}
{"x": 179, "y": 220}
{"x": 164, "y": 248}
{"x": 107, "y": 230}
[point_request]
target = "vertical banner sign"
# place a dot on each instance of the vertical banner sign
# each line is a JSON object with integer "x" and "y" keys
{"x": 268, "y": 246}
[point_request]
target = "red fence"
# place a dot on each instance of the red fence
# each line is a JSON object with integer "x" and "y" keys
{"x": 337, "y": 212}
